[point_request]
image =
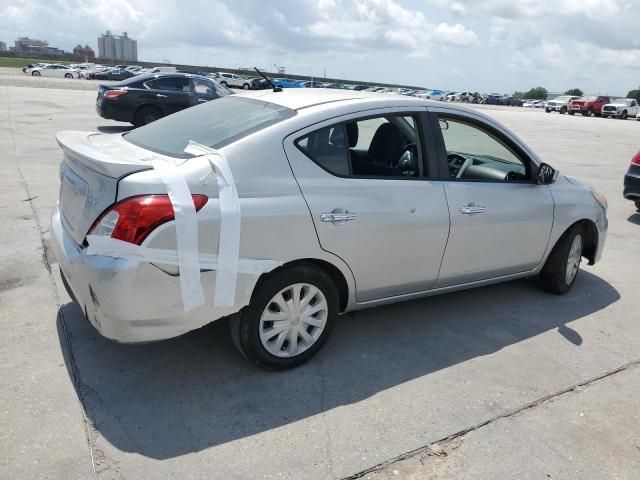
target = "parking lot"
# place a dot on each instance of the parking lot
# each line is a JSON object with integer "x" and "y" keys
{"x": 497, "y": 382}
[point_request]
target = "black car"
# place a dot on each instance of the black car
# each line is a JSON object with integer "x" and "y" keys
{"x": 145, "y": 98}
{"x": 259, "y": 84}
{"x": 632, "y": 181}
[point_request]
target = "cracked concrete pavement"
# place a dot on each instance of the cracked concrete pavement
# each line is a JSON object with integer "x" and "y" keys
{"x": 391, "y": 381}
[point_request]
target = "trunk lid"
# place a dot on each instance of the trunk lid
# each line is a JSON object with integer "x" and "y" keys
{"x": 91, "y": 168}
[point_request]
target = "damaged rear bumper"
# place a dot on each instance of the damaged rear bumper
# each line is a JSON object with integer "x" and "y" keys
{"x": 130, "y": 301}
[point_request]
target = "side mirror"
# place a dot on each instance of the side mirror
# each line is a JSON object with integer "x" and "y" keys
{"x": 546, "y": 174}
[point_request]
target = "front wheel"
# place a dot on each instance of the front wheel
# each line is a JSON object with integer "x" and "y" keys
{"x": 68, "y": 75}
{"x": 548, "y": 110}
{"x": 637, "y": 202}
{"x": 561, "y": 268}
{"x": 289, "y": 318}
{"x": 623, "y": 115}
{"x": 35, "y": 74}
{"x": 563, "y": 110}
{"x": 245, "y": 86}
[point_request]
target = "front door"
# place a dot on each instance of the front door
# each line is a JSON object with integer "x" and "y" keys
{"x": 500, "y": 218}
{"x": 372, "y": 201}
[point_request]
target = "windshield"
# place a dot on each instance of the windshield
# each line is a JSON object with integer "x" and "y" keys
{"x": 215, "y": 124}
{"x": 563, "y": 98}
{"x": 622, "y": 101}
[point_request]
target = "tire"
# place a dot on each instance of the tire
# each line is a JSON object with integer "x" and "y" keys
{"x": 68, "y": 75}
{"x": 623, "y": 115}
{"x": 563, "y": 110}
{"x": 572, "y": 113}
{"x": 561, "y": 268}
{"x": 35, "y": 74}
{"x": 245, "y": 86}
{"x": 247, "y": 324}
{"x": 145, "y": 115}
{"x": 637, "y": 202}
{"x": 587, "y": 113}
{"x": 548, "y": 110}
{"x": 224, "y": 84}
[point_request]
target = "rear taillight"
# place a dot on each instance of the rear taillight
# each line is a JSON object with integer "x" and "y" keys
{"x": 134, "y": 218}
{"x": 636, "y": 160}
{"x": 114, "y": 94}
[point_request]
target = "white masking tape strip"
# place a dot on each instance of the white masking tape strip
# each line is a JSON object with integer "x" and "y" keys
{"x": 230, "y": 226}
{"x": 112, "y": 247}
{"x": 186, "y": 224}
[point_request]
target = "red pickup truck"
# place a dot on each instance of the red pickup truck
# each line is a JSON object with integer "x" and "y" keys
{"x": 588, "y": 106}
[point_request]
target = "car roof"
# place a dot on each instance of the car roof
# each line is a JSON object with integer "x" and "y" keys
{"x": 300, "y": 98}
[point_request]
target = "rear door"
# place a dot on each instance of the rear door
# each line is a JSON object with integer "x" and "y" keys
{"x": 501, "y": 218}
{"x": 170, "y": 93}
{"x": 367, "y": 184}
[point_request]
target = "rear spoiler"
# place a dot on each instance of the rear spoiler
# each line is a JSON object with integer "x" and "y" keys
{"x": 108, "y": 155}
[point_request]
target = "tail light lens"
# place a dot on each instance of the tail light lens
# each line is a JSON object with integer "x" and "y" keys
{"x": 636, "y": 160}
{"x": 114, "y": 94}
{"x": 134, "y": 218}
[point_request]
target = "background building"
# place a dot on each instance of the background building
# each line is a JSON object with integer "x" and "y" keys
{"x": 114, "y": 47}
{"x": 3, "y": 47}
{"x": 31, "y": 45}
{"x": 85, "y": 53}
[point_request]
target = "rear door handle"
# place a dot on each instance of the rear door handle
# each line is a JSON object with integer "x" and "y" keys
{"x": 472, "y": 209}
{"x": 159, "y": 95}
{"x": 338, "y": 218}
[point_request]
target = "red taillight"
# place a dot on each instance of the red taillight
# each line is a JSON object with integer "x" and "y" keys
{"x": 114, "y": 94}
{"x": 134, "y": 218}
{"x": 636, "y": 160}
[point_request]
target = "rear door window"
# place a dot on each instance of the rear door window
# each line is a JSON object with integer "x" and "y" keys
{"x": 172, "y": 84}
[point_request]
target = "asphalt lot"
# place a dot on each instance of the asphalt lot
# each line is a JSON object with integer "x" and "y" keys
{"x": 498, "y": 382}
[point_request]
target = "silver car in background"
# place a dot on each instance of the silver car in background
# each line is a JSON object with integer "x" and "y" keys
{"x": 365, "y": 199}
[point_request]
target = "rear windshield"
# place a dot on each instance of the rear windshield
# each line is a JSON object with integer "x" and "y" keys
{"x": 215, "y": 124}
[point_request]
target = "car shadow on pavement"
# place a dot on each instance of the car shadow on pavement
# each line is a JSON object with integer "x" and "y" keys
{"x": 169, "y": 398}
{"x": 635, "y": 218}
{"x": 114, "y": 128}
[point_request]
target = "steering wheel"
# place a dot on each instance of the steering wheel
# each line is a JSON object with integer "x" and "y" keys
{"x": 408, "y": 161}
{"x": 466, "y": 163}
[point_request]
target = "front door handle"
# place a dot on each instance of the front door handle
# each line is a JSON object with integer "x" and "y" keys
{"x": 338, "y": 218}
{"x": 472, "y": 209}
{"x": 159, "y": 95}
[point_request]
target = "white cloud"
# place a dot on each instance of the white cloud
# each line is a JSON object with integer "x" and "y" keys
{"x": 454, "y": 35}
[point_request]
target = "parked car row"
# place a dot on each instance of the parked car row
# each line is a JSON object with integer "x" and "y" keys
{"x": 595, "y": 105}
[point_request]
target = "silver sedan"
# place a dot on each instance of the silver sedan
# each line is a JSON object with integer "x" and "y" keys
{"x": 310, "y": 203}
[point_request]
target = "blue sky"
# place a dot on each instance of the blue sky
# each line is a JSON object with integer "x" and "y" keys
{"x": 487, "y": 45}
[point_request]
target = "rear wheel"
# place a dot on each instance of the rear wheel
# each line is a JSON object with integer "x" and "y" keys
{"x": 572, "y": 112}
{"x": 561, "y": 268}
{"x": 245, "y": 86}
{"x": 35, "y": 74}
{"x": 587, "y": 113}
{"x": 146, "y": 115}
{"x": 224, "y": 84}
{"x": 68, "y": 75}
{"x": 289, "y": 318}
